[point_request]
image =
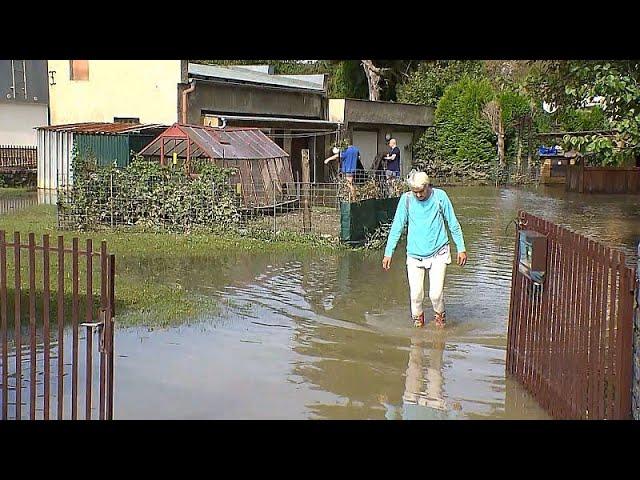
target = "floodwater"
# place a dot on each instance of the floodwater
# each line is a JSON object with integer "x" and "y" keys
{"x": 328, "y": 336}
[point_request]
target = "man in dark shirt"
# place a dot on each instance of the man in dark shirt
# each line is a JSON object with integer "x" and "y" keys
{"x": 393, "y": 159}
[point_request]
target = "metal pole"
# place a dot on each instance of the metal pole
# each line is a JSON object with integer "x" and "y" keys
{"x": 111, "y": 197}
{"x": 24, "y": 76}
{"x": 274, "y": 208}
{"x": 315, "y": 158}
{"x": 13, "y": 78}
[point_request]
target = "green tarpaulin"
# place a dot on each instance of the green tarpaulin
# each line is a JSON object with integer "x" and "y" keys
{"x": 361, "y": 218}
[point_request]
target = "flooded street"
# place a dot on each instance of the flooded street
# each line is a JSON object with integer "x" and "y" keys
{"x": 328, "y": 335}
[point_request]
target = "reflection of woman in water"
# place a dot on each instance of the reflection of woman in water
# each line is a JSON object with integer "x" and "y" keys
{"x": 423, "y": 397}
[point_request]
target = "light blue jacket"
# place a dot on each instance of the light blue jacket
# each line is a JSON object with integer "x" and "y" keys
{"x": 426, "y": 218}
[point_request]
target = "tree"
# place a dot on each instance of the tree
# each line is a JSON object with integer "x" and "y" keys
{"x": 493, "y": 113}
{"x": 374, "y": 75}
{"x": 426, "y": 83}
{"x": 610, "y": 89}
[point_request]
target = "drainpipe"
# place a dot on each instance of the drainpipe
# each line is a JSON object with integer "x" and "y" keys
{"x": 224, "y": 122}
{"x": 184, "y": 99}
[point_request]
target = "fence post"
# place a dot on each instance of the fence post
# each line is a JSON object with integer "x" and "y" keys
{"x": 636, "y": 345}
{"x": 111, "y": 197}
{"x": 306, "y": 179}
{"x": 274, "y": 209}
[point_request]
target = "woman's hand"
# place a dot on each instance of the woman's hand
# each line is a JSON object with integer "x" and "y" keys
{"x": 386, "y": 263}
{"x": 462, "y": 259}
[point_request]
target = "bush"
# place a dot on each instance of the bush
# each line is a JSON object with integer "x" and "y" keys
{"x": 462, "y": 143}
{"x": 144, "y": 194}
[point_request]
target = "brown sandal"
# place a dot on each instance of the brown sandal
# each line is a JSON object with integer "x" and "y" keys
{"x": 419, "y": 321}
{"x": 440, "y": 319}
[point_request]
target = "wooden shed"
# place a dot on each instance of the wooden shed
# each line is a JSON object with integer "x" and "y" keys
{"x": 259, "y": 162}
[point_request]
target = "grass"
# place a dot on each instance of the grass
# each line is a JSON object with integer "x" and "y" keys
{"x": 13, "y": 192}
{"x": 151, "y": 268}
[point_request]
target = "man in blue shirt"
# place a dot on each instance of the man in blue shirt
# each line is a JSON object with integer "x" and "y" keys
{"x": 348, "y": 165}
{"x": 425, "y": 209}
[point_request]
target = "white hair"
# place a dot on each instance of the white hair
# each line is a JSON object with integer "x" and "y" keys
{"x": 418, "y": 180}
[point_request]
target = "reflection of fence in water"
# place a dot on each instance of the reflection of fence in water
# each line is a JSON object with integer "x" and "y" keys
{"x": 9, "y": 205}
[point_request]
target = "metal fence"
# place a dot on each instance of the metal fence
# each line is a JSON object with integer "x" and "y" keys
{"x": 34, "y": 373}
{"x": 282, "y": 207}
{"x": 255, "y": 208}
{"x": 14, "y": 157}
{"x": 570, "y": 338}
{"x": 636, "y": 346}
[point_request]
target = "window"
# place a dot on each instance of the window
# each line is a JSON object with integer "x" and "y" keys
{"x": 126, "y": 120}
{"x": 79, "y": 69}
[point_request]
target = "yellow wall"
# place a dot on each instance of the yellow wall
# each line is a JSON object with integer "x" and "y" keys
{"x": 336, "y": 110}
{"x": 147, "y": 89}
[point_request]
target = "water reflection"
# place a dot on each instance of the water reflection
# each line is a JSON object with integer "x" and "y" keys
{"x": 423, "y": 397}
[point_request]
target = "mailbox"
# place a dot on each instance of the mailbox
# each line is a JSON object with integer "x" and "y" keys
{"x": 533, "y": 255}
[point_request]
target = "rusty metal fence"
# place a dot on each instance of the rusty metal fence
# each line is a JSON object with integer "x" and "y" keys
{"x": 570, "y": 338}
{"x": 14, "y": 157}
{"x": 41, "y": 374}
{"x": 636, "y": 346}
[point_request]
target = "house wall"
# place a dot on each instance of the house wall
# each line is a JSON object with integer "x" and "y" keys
{"x": 231, "y": 99}
{"x": 18, "y": 122}
{"x": 144, "y": 89}
{"x": 404, "y": 135}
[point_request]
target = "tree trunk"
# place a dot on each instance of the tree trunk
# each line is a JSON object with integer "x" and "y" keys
{"x": 493, "y": 113}
{"x": 519, "y": 154}
{"x": 501, "y": 154}
{"x": 373, "y": 79}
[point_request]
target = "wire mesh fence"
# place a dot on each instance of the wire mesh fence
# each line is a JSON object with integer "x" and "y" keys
{"x": 253, "y": 209}
{"x": 160, "y": 202}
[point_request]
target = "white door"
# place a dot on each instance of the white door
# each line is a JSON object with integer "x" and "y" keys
{"x": 367, "y": 143}
{"x": 404, "y": 139}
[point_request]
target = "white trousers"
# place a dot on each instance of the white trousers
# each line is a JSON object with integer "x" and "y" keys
{"x": 437, "y": 267}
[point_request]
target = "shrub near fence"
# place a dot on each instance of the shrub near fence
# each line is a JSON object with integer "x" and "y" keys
{"x": 149, "y": 196}
{"x": 144, "y": 194}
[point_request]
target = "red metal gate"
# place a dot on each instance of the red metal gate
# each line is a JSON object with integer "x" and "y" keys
{"x": 570, "y": 338}
{"x": 46, "y": 370}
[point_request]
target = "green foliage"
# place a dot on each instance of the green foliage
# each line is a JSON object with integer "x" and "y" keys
{"x": 427, "y": 84}
{"x": 347, "y": 80}
{"x": 144, "y": 194}
{"x": 463, "y": 143}
{"x": 377, "y": 239}
{"x": 573, "y": 84}
{"x": 463, "y": 135}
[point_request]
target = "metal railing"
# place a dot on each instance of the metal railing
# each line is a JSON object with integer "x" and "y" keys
{"x": 570, "y": 338}
{"x": 40, "y": 377}
{"x": 14, "y": 157}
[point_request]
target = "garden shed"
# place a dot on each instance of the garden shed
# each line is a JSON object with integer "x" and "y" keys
{"x": 108, "y": 142}
{"x": 260, "y": 164}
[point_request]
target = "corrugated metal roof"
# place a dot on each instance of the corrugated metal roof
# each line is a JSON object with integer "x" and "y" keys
{"x": 317, "y": 79}
{"x": 217, "y": 143}
{"x": 251, "y": 76}
{"x": 268, "y": 69}
{"x": 100, "y": 127}
{"x": 310, "y": 121}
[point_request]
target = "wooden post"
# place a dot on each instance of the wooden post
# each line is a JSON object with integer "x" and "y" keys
{"x": 187, "y": 165}
{"x": 636, "y": 347}
{"x": 306, "y": 180}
